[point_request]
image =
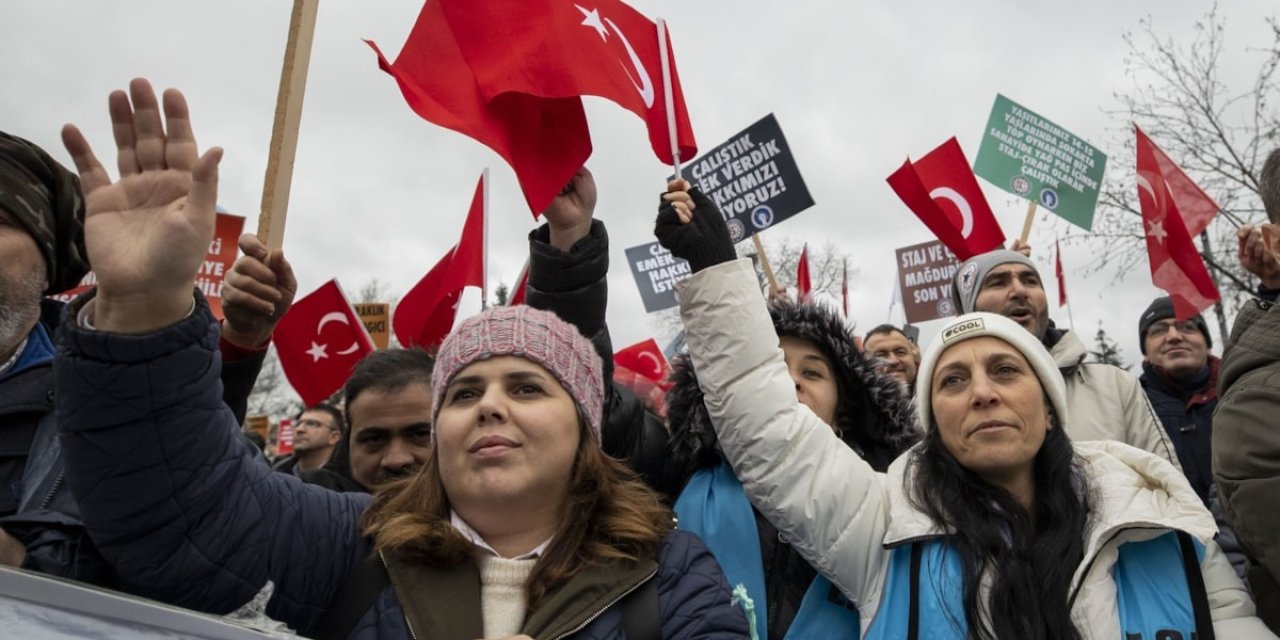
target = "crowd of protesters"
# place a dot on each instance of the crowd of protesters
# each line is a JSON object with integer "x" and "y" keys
{"x": 805, "y": 482}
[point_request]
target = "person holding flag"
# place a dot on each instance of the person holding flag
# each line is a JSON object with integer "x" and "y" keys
{"x": 518, "y": 521}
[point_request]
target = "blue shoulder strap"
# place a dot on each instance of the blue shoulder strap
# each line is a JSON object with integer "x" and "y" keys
{"x": 714, "y": 506}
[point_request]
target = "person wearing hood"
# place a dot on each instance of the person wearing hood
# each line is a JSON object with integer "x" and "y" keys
{"x": 996, "y": 525}
{"x": 871, "y": 415}
{"x": 1108, "y": 402}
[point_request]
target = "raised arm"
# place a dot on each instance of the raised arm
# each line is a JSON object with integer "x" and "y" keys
{"x": 823, "y": 498}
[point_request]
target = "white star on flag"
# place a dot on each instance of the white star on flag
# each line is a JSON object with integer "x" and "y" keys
{"x": 1155, "y": 229}
{"x": 317, "y": 351}
{"x": 592, "y": 19}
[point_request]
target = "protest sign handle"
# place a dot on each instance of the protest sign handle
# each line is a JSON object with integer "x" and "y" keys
{"x": 1026, "y": 224}
{"x": 284, "y": 133}
{"x": 764, "y": 263}
{"x": 666, "y": 93}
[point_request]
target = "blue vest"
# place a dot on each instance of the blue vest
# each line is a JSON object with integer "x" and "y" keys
{"x": 714, "y": 506}
{"x": 1154, "y": 593}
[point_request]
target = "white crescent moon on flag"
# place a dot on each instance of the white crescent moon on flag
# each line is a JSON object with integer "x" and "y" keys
{"x": 645, "y": 86}
{"x": 657, "y": 364}
{"x": 966, "y": 212}
{"x": 1145, "y": 185}
{"x": 337, "y": 316}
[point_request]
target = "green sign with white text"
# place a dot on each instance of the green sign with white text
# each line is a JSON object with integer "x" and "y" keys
{"x": 1029, "y": 156}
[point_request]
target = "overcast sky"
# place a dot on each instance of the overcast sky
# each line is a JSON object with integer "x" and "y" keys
{"x": 856, "y": 86}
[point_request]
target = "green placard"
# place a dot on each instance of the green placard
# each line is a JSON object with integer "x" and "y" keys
{"x": 1029, "y": 156}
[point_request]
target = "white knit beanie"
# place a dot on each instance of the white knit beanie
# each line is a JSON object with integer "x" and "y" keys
{"x": 976, "y": 325}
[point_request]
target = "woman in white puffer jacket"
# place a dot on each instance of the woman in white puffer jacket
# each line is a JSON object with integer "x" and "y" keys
{"x": 996, "y": 526}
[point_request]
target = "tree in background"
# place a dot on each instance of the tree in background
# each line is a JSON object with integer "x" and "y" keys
{"x": 1107, "y": 351}
{"x": 1219, "y": 133}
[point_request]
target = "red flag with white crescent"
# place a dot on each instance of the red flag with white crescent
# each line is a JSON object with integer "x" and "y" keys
{"x": 319, "y": 340}
{"x": 941, "y": 190}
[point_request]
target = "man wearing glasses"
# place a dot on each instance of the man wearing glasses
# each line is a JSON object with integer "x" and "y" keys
{"x": 317, "y": 432}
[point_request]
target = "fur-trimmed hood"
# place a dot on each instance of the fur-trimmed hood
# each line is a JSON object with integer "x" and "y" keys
{"x": 876, "y": 416}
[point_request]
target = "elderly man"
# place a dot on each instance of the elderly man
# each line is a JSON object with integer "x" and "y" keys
{"x": 1106, "y": 403}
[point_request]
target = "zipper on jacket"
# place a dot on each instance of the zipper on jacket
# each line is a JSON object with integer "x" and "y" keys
{"x": 53, "y": 490}
{"x": 1075, "y": 591}
{"x": 603, "y": 609}
{"x": 776, "y": 574}
{"x": 403, "y": 612}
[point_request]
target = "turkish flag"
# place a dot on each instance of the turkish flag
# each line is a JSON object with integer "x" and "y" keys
{"x": 319, "y": 340}
{"x": 425, "y": 315}
{"x": 558, "y": 49}
{"x": 545, "y": 140}
{"x": 803, "y": 285}
{"x": 522, "y": 283}
{"x": 1057, "y": 271}
{"x": 1176, "y": 265}
{"x": 645, "y": 359}
{"x": 941, "y": 190}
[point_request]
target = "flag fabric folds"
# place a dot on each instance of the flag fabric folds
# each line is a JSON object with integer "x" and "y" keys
{"x": 558, "y": 49}
{"x": 319, "y": 340}
{"x": 522, "y": 284}
{"x": 425, "y": 315}
{"x": 804, "y": 286}
{"x": 545, "y": 140}
{"x": 941, "y": 190}
{"x": 646, "y": 360}
{"x": 1171, "y": 207}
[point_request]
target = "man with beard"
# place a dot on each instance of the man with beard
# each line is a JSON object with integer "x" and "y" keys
{"x": 1106, "y": 402}
{"x": 898, "y": 357}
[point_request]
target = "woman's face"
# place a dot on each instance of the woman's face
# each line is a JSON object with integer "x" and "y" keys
{"x": 989, "y": 408}
{"x": 814, "y": 377}
{"x": 507, "y": 434}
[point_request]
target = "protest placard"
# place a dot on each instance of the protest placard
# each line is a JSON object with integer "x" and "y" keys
{"x": 375, "y": 316}
{"x": 284, "y": 437}
{"x": 1029, "y": 156}
{"x": 214, "y": 267}
{"x": 753, "y": 179}
{"x": 925, "y": 272}
{"x": 656, "y": 272}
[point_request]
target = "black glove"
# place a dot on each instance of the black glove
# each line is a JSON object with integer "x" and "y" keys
{"x": 704, "y": 242}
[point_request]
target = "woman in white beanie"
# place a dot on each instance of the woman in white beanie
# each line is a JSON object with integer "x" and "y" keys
{"x": 996, "y": 525}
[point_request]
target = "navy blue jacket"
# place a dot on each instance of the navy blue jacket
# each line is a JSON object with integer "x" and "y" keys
{"x": 188, "y": 511}
{"x": 1188, "y": 419}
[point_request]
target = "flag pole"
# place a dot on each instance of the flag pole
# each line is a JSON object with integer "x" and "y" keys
{"x": 484, "y": 244}
{"x": 1026, "y": 224}
{"x": 284, "y": 133}
{"x": 668, "y": 99}
{"x": 764, "y": 263}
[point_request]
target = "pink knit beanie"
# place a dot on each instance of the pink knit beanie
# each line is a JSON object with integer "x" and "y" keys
{"x": 535, "y": 335}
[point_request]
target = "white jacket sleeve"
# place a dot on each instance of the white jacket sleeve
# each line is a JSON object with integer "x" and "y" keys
{"x": 820, "y": 495}
{"x": 1230, "y": 604}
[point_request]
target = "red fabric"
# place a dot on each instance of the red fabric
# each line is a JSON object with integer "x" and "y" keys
{"x": 545, "y": 140}
{"x": 1176, "y": 265}
{"x": 522, "y": 283}
{"x": 425, "y": 315}
{"x": 319, "y": 340}
{"x": 803, "y": 285}
{"x": 645, "y": 359}
{"x": 1057, "y": 270}
{"x": 934, "y": 188}
{"x": 284, "y": 436}
{"x": 558, "y": 49}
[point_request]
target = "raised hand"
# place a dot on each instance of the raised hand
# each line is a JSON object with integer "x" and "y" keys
{"x": 569, "y": 214}
{"x": 147, "y": 233}
{"x": 1254, "y": 257}
{"x": 691, "y": 227}
{"x": 256, "y": 293}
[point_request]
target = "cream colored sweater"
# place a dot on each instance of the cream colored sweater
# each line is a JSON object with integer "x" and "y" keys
{"x": 502, "y": 593}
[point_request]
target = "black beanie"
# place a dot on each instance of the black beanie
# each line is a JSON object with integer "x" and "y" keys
{"x": 1162, "y": 309}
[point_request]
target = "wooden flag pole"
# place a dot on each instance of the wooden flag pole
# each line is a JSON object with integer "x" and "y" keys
{"x": 764, "y": 263}
{"x": 1026, "y": 224}
{"x": 284, "y": 133}
{"x": 668, "y": 99}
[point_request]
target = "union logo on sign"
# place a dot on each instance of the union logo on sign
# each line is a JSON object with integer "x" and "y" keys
{"x": 762, "y": 216}
{"x": 1021, "y": 185}
{"x": 737, "y": 230}
{"x": 1049, "y": 198}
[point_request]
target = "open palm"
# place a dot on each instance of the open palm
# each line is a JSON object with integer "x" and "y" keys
{"x": 147, "y": 233}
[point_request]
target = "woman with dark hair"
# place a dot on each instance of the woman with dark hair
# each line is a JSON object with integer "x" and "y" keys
{"x": 517, "y": 524}
{"x": 996, "y": 525}
{"x": 870, "y": 414}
